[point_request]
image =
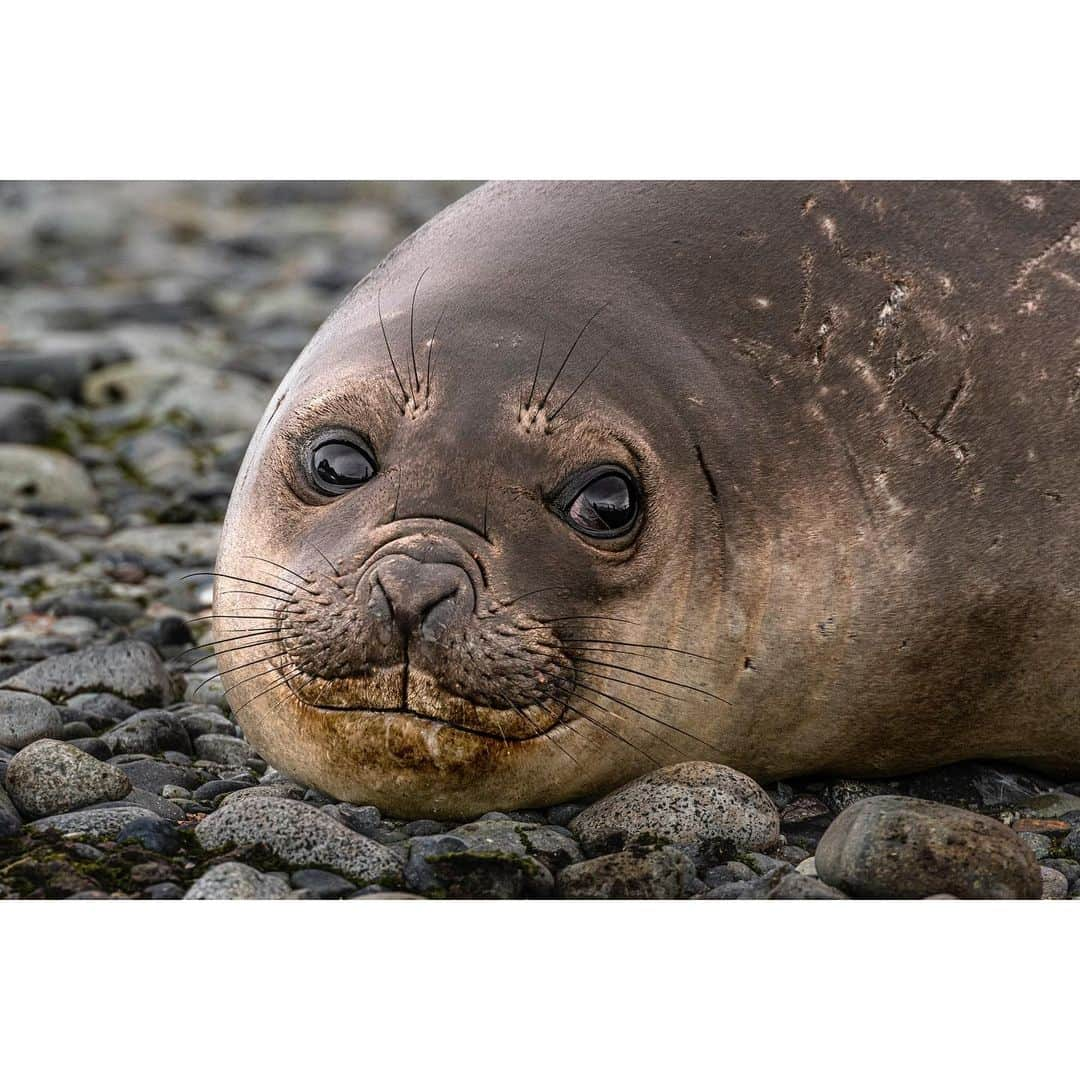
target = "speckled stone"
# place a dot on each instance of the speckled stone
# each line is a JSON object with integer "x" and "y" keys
{"x": 906, "y": 848}
{"x": 299, "y": 835}
{"x": 26, "y": 717}
{"x": 1055, "y": 885}
{"x": 692, "y": 803}
{"x": 102, "y": 822}
{"x": 50, "y": 777}
{"x": 659, "y": 874}
{"x": 130, "y": 669}
{"x": 237, "y": 881}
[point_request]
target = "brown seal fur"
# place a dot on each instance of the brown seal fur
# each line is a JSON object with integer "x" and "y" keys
{"x": 853, "y": 411}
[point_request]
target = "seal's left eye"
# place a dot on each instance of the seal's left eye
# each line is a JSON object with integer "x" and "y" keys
{"x": 337, "y": 466}
{"x": 605, "y": 505}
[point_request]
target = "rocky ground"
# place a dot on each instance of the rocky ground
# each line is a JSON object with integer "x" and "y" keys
{"x": 142, "y": 329}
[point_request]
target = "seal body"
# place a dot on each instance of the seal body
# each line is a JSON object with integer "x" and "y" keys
{"x": 849, "y": 417}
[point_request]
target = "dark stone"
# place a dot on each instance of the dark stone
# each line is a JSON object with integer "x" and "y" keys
{"x": 321, "y": 884}
{"x": 152, "y": 833}
{"x": 424, "y": 828}
{"x": 150, "y": 775}
{"x": 93, "y": 747}
{"x": 166, "y": 890}
{"x": 149, "y": 732}
{"x": 215, "y": 788}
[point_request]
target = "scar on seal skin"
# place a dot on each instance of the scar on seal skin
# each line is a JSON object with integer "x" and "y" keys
{"x": 586, "y": 478}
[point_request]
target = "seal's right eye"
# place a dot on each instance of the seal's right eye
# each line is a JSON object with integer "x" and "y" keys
{"x": 337, "y": 466}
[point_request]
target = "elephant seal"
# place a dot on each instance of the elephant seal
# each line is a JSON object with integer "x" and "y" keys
{"x": 590, "y": 477}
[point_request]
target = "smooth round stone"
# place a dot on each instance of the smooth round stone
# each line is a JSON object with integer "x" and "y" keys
{"x": 1071, "y": 844}
{"x": 299, "y": 835}
{"x": 106, "y": 707}
{"x": 212, "y": 789}
{"x": 660, "y": 874}
{"x": 19, "y": 550}
{"x": 893, "y": 846}
{"x": 148, "y": 732}
{"x": 31, "y": 475}
{"x": 154, "y": 776}
{"x": 186, "y": 544}
{"x": 237, "y": 881}
{"x": 25, "y": 417}
{"x": 152, "y": 833}
{"x": 803, "y": 887}
{"x": 321, "y": 885}
{"x": 224, "y": 749}
{"x": 365, "y": 820}
{"x": 807, "y": 867}
{"x": 26, "y": 717}
{"x": 1055, "y": 885}
{"x": 50, "y": 777}
{"x": 165, "y": 890}
{"x": 129, "y": 669}
{"x": 10, "y": 818}
{"x": 694, "y": 802}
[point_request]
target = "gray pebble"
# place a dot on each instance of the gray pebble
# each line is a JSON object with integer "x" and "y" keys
{"x": 25, "y": 717}
{"x": 237, "y": 881}
{"x": 50, "y": 777}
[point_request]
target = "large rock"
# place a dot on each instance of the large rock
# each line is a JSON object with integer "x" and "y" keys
{"x": 893, "y": 846}
{"x": 102, "y": 822}
{"x": 695, "y": 803}
{"x": 237, "y": 881}
{"x": 659, "y": 874}
{"x": 130, "y": 669}
{"x": 50, "y": 777}
{"x": 26, "y": 717}
{"x": 30, "y": 475}
{"x": 299, "y": 835}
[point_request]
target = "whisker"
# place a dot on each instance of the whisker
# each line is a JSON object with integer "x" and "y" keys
{"x": 337, "y": 572}
{"x": 204, "y": 618}
{"x": 655, "y": 719}
{"x": 389, "y": 352}
{"x": 566, "y": 359}
{"x": 642, "y": 645}
{"x": 412, "y": 338}
{"x": 233, "y": 577}
{"x": 273, "y": 686}
{"x": 579, "y": 386}
{"x": 613, "y": 734}
{"x": 528, "y": 720}
{"x": 270, "y": 562}
{"x": 596, "y": 704}
{"x": 262, "y": 596}
{"x": 602, "y": 618}
{"x": 533, "y": 592}
{"x": 431, "y": 345}
{"x": 536, "y": 373}
{"x": 654, "y": 678}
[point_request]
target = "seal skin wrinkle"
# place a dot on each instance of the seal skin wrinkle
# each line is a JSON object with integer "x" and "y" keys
{"x": 587, "y": 478}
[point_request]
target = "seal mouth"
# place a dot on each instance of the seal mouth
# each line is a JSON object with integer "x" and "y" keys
{"x": 431, "y": 705}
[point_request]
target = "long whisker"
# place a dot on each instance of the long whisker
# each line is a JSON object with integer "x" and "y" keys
{"x": 389, "y": 352}
{"x": 337, "y": 572}
{"x": 431, "y": 345}
{"x": 204, "y": 618}
{"x": 654, "y": 678}
{"x": 262, "y": 596}
{"x": 566, "y": 359}
{"x": 270, "y": 562}
{"x": 642, "y": 645}
{"x": 273, "y": 686}
{"x": 528, "y": 720}
{"x": 536, "y": 373}
{"x": 225, "y": 641}
{"x": 233, "y": 577}
{"x": 605, "y": 728}
{"x": 533, "y": 592}
{"x": 601, "y": 618}
{"x": 596, "y": 704}
{"x": 578, "y": 387}
{"x": 655, "y": 719}
{"x": 412, "y": 337}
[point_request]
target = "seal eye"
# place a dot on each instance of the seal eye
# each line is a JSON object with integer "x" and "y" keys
{"x": 606, "y": 505}
{"x": 337, "y": 466}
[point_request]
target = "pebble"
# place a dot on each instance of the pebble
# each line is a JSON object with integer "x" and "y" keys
{"x": 152, "y": 833}
{"x": 49, "y": 777}
{"x": 803, "y": 887}
{"x": 299, "y": 835}
{"x": 212, "y": 789}
{"x": 104, "y": 823}
{"x": 25, "y": 417}
{"x": 107, "y": 707}
{"x": 165, "y": 890}
{"x": 25, "y": 718}
{"x": 1055, "y": 885}
{"x": 224, "y": 749}
{"x": 32, "y": 475}
{"x": 237, "y": 881}
{"x": 892, "y": 846}
{"x": 693, "y": 803}
{"x": 1039, "y": 844}
{"x": 148, "y": 732}
{"x": 658, "y": 874}
{"x": 130, "y": 669}
{"x": 321, "y": 885}
{"x": 150, "y": 775}
{"x": 10, "y": 818}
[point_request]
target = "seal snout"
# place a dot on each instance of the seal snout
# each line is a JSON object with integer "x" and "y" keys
{"x": 422, "y": 599}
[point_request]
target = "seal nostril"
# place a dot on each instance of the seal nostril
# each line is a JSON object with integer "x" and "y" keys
{"x": 417, "y": 595}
